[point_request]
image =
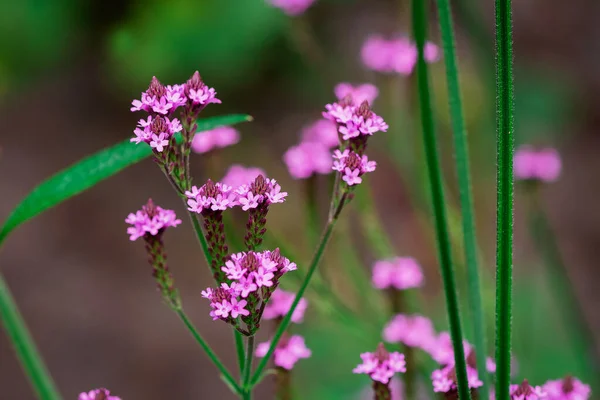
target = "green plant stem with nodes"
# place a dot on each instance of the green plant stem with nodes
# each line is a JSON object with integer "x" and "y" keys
{"x": 239, "y": 348}
{"x": 461, "y": 149}
{"x": 247, "y": 388}
{"x": 311, "y": 270}
{"x": 24, "y": 346}
{"x": 504, "y": 232}
{"x": 419, "y": 22}
{"x": 225, "y": 374}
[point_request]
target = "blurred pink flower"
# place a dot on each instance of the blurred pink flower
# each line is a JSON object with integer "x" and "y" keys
{"x": 365, "y": 92}
{"x": 444, "y": 379}
{"x": 569, "y": 388}
{"x": 441, "y": 349}
{"x": 410, "y": 330}
{"x": 544, "y": 165}
{"x": 394, "y": 55}
{"x": 238, "y": 175}
{"x": 292, "y": 7}
{"x": 220, "y": 137}
{"x": 381, "y": 365}
{"x": 288, "y": 351}
{"x": 321, "y": 131}
{"x": 279, "y": 304}
{"x": 399, "y": 272}
{"x": 97, "y": 394}
{"x": 525, "y": 391}
{"x": 308, "y": 158}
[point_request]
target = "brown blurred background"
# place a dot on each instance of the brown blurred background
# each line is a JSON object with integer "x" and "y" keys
{"x": 68, "y": 71}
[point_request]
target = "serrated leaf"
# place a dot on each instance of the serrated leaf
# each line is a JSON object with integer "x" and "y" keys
{"x": 90, "y": 171}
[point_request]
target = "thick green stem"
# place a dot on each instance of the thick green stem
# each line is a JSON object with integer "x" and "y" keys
{"x": 461, "y": 149}
{"x": 239, "y": 348}
{"x": 24, "y": 346}
{"x": 248, "y": 368}
{"x": 225, "y": 374}
{"x": 504, "y": 233}
{"x": 311, "y": 270}
{"x": 419, "y": 18}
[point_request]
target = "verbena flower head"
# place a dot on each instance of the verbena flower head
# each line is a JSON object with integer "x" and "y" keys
{"x": 97, "y": 394}
{"x": 211, "y": 196}
{"x": 217, "y": 138}
{"x": 525, "y": 391}
{"x": 354, "y": 121}
{"x": 411, "y": 330}
{"x": 322, "y": 131}
{"x": 394, "y": 55}
{"x": 400, "y": 273}
{"x": 542, "y": 165}
{"x": 261, "y": 191}
{"x": 381, "y": 365}
{"x": 569, "y": 388}
{"x": 365, "y": 92}
{"x": 156, "y": 131}
{"x": 444, "y": 379}
{"x": 197, "y": 93}
{"x": 292, "y": 7}
{"x": 307, "y": 159}
{"x": 288, "y": 351}
{"x": 352, "y": 166}
{"x": 160, "y": 99}
{"x": 150, "y": 220}
{"x": 281, "y": 302}
{"x": 238, "y": 175}
{"x": 441, "y": 349}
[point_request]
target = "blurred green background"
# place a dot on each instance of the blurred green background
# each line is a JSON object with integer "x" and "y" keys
{"x": 68, "y": 71}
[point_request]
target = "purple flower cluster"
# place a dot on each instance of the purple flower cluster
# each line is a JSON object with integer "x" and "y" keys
{"x": 150, "y": 220}
{"x": 381, "y": 365}
{"x": 219, "y": 197}
{"x": 288, "y": 351}
{"x": 97, "y": 394}
{"x": 292, "y": 7}
{"x": 568, "y": 388}
{"x": 156, "y": 131}
{"x": 352, "y": 166}
{"x": 250, "y": 273}
{"x": 213, "y": 139}
{"x": 400, "y": 273}
{"x": 394, "y": 55}
{"x": 542, "y": 165}
{"x": 444, "y": 379}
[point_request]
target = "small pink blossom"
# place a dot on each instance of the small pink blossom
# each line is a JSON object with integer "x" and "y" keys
{"x": 525, "y": 391}
{"x": 262, "y": 277}
{"x": 97, "y": 394}
{"x": 292, "y": 7}
{"x": 411, "y": 330}
{"x": 280, "y": 303}
{"x": 288, "y": 351}
{"x": 442, "y": 350}
{"x": 216, "y": 138}
{"x": 211, "y": 196}
{"x": 394, "y": 55}
{"x": 444, "y": 379}
{"x": 400, "y": 273}
{"x": 307, "y": 159}
{"x": 569, "y": 388}
{"x": 237, "y": 308}
{"x": 150, "y": 220}
{"x": 381, "y": 365}
{"x": 156, "y": 131}
{"x": 159, "y": 142}
{"x": 365, "y": 92}
{"x": 543, "y": 165}
{"x": 322, "y": 131}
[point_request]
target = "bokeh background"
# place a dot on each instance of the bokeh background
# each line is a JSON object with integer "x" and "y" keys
{"x": 68, "y": 72}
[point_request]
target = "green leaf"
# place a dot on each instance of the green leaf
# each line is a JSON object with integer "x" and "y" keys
{"x": 90, "y": 171}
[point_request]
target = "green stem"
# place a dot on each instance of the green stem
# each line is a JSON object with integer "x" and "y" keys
{"x": 248, "y": 368}
{"x": 461, "y": 149}
{"x": 311, "y": 270}
{"x": 225, "y": 374}
{"x": 24, "y": 346}
{"x": 504, "y": 233}
{"x": 239, "y": 347}
{"x": 419, "y": 17}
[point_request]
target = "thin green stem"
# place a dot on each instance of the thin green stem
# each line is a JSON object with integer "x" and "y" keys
{"x": 461, "y": 149}
{"x": 25, "y": 347}
{"x": 248, "y": 368}
{"x": 239, "y": 347}
{"x": 311, "y": 270}
{"x": 504, "y": 232}
{"x": 419, "y": 17}
{"x": 225, "y": 374}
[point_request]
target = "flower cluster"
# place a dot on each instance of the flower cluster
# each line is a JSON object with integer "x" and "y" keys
{"x": 395, "y": 55}
{"x": 400, "y": 273}
{"x": 288, "y": 351}
{"x": 253, "y": 277}
{"x": 411, "y": 330}
{"x": 568, "y": 388}
{"x": 352, "y": 166}
{"x": 217, "y": 138}
{"x": 150, "y": 220}
{"x": 381, "y": 365}
{"x": 156, "y": 131}
{"x": 97, "y": 394}
{"x": 541, "y": 165}
{"x": 525, "y": 391}
{"x": 444, "y": 379}
{"x": 292, "y": 7}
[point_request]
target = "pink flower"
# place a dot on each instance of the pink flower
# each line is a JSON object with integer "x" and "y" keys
{"x": 150, "y": 220}
{"x": 249, "y": 201}
{"x": 237, "y": 308}
{"x": 217, "y": 138}
{"x": 525, "y": 391}
{"x": 381, "y": 365}
{"x": 365, "y": 92}
{"x": 322, "y": 131}
{"x": 211, "y": 196}
{"x": 568, "y": 388}
{"x": 198, "y": 93}
{"x": 292, "y": 7}
{"x": 308, "y": 158}
{"x": 411, "y": 330}
{"x": 97, "y": 394}
{"x": 442, "y": 350}
{"x": 351, "y": 176}
{"x": 260, "y": 191}
{"x": 156, "y": 131}
{"x": 288, "y": 351}
{"x": 281, "y": 302}
{"x": 400, "y": 273}
{"x": 238, "y": 175}
{"x": 262, "y": 277}
{"x": 444, "y": 380}
{"x": 245, "y": 285}
{"x": 394, "y": 55}
{"x": 159, "y": 142}
{"x": 543, "y": 165}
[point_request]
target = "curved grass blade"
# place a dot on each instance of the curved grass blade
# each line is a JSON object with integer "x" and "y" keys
{"x": 90, "y": 171}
